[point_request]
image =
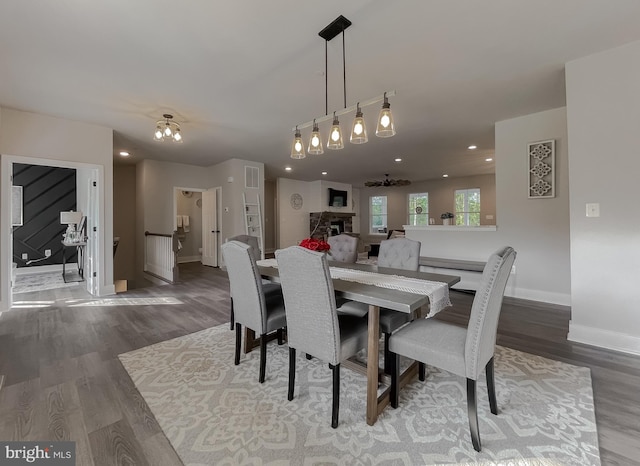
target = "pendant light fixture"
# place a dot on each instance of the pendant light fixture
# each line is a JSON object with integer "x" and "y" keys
{"x": 359, "y": 129}
{"x": 386, "y": 127}
{"x": 315, "y": 141}
{"x": 335, "y": 135}
{"x": 297, "y": 148}
{"x": 167, "y": 129}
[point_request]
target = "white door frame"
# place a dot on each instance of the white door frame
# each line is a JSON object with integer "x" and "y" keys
{"x": 6, "y": 233}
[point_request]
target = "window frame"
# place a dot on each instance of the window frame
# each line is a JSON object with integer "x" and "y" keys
{"x": 412, "y": 214}
{"x": 373, "y": 230}
{"x": 462, "y": 217}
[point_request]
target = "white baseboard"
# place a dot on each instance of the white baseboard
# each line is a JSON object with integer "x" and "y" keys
{"x": 45, "y": 268}
{"x": 604, "y": 338}
{"x": 538, "y": 295}
{"x": 471, "y": 280}
{"x": 185, "y": 259}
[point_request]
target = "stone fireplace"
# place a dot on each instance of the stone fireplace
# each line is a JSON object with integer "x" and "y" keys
{"x": 327, "y": 223}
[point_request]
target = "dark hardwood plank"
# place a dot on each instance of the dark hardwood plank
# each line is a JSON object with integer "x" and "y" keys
{"x": 116, "y": 444}
{"x": 63, "y": 379}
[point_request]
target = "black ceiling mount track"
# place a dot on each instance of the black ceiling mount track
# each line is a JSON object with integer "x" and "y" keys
{"x": 334, "y": 28}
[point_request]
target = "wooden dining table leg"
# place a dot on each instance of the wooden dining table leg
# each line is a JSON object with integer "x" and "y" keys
{"x": 372, "y": 365}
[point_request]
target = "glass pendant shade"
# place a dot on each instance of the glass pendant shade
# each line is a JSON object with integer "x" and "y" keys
{"x": 335, "y": 141}
{"x": 297, "y": 148}
{"x": 167, "y": 130}
{"x": 359, "y": 129}
{"x": 315, "y": 141}
{"x": 386, "y": 127}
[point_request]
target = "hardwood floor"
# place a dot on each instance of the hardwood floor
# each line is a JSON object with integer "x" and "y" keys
{"x": 63, "y": 381}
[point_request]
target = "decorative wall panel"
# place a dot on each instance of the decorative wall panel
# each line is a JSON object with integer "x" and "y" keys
{"x": 541, "y": 158}
{"x": 47, "y": 191}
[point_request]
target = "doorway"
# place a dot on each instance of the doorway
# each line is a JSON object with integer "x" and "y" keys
{"x": 87, "y": 201}
{"x": 198, "y": 224}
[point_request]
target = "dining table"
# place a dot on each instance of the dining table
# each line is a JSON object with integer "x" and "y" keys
{"x": 375, "y": 297}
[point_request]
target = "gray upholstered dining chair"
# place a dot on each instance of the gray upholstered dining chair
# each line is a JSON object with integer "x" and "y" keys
{"x": 396, "y": 253}
{"x": 262, "y": 314}
{"x": 462, "y": 351}
{"x": 344, "y": 248}
{"x": 313, "y": 324}
{"x": 268, "y": 288}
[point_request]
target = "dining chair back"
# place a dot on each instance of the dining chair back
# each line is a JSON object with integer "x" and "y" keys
{"x": 251, "y": 307}
{"x": 251, "y": 241}
{"x": 399, "y": 253}
{"x": 257, "y": 254}
{"x": 396, "y": 253}
{"x": 344, "y": 248}
{"x": 313, "y": 324}
{"x": 465, "y": 352}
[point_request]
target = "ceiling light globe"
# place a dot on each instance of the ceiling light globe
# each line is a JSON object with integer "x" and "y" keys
{"x": 357, "y": 128}
{"x": 167, "y": 131}
{"x": 315, "y": 141}
{"x": 335, "y": 135}
{"x": 177, "y": 137}
{"x": 385, "y": 120}
{"x": 158, "y": 134}
{"x": 298, "y": 146}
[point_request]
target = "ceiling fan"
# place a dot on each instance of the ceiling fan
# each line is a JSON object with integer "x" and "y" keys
{"x": 387, "y": 182}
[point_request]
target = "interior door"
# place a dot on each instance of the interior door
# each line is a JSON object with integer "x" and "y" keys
{"x": 210, "y": 231}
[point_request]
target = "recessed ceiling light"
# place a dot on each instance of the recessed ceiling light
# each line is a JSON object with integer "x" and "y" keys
{"x": 471, "y": 147}
{"x": 124, "y": 153}
{"x": 488, "y": 160}
{"x": 445, "y": 176}
{"x": 398, "y": 159}
{"x": 288, "y": 169}
{"x": 324, "y": 173}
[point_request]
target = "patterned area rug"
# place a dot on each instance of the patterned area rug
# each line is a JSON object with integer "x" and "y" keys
{"x": 27, "y": 283}
{"x": 216, "y": 413}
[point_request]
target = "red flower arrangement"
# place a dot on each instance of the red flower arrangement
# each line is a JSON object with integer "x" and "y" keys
{"x": 315, "y": 244}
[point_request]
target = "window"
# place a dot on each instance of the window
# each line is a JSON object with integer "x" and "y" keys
{"x": 419, "y": 209}
{"x": 378, "y": 214}
{"x": 468, "y": 207}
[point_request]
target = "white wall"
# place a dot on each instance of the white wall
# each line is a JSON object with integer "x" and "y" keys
{"x": 293, "y": 225}
{"x": 538, "y": 229}
{"x": 41, "y": 137}
{"x": 603, "y": 123}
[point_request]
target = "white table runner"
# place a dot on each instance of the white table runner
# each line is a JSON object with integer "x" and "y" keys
{"x": 438, "y": 292}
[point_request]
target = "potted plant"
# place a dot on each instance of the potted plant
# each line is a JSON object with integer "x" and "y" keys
{"x": 446, "y": 218}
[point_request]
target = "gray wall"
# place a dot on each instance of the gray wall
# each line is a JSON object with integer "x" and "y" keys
{"x": 603, "y": 122}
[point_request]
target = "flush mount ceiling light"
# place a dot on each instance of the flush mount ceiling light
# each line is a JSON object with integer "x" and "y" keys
{"x": 167, "y": 129}
{"x": 387, "y": 182}
{"x": 385, "y": 125}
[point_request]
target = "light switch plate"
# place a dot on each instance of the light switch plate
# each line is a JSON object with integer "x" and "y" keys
{"x": 593, "y": 210}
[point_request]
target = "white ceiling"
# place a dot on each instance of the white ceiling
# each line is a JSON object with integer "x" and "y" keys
{"x": 238, "y": 75}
